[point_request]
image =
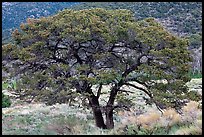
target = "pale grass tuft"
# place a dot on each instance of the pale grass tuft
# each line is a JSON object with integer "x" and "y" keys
{"x": 149, "y": 120}
{"x": 191, "y": 106}
{"x": 182, "y": 131}
{"x": 154, "y": 117}
{"x": 121, "y": 113}
{"x": 7, "y": 111}
{"x": 132, "y": 120}
{"x": 142, "y": 119}
{"x": 198, "y": 123}
{"x": 195, "y": 130}
{"x": 170, "y": 117}
{"x": 192, "y": 130}
{"x": 77, "y": 129}
{"x": 191, "y": 112}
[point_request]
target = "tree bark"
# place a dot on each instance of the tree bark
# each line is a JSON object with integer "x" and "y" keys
{"x": 109, "y": 106}
{"x": 93, "y": 101}
{"x": 109, "y": 118}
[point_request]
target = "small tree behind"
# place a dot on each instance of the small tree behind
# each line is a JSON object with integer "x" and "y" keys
{"x": 63, "y": 56}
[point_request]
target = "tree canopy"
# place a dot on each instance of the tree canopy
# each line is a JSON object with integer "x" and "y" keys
{"x": 65, "y": 55}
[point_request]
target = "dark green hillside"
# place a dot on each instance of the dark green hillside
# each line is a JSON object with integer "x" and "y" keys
{"x": 182, "y": 18}
{"x": 14, "y": 13}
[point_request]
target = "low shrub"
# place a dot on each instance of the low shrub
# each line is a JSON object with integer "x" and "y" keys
{"x": 168, "y": 123}
{"x": 9, "y": 84}
{"x": 6, "y": 102}
{"x": 195, "y": 74}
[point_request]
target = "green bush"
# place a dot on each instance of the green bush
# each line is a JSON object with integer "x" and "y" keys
{"x": 5, "y": 85}
{"x": 9, "y": 84}
{"x": 196, "y": 74}
{"x": 6, "y": 102}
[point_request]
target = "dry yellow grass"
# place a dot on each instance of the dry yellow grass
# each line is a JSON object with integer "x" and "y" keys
{"x": 192, "y": 130}
{"x": 191, "y": 106}
{"x": 148, "y": 120}
{"x": 191, "y": 112}
{"x": 171, "y": 116}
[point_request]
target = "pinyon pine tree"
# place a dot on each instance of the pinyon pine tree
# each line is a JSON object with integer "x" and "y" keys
{"x": 63, "y": 56}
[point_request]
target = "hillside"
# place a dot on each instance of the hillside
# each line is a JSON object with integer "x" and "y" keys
{"x": 14, "y": 13}
{"x": 182, "y": 18}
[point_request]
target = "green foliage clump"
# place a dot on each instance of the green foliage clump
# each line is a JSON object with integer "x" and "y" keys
{"x": 9, "y": 84}
{"x": 195, "y": 40}
{"x": 6, "y": 102}
{"x": 196, "y": 74}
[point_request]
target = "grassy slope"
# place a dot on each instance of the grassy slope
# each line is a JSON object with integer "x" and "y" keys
{"x": 63, "y": 119}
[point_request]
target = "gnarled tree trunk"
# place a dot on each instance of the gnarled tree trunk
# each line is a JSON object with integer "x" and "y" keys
{"x": 93, "y": 101}
{"x": 98, "y": 114}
